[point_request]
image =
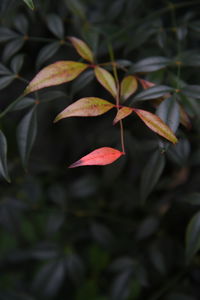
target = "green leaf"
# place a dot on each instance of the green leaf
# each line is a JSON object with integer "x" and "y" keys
{"x": 192, "y": 91}
{"x": 4, "y": 70}
{"x": 29, "y": 3}
{"x": 151, "y": 174}
{"x": 26, "y": 134}
{"x": 83, "y": 80}
{"x": 7, "y": 34}
{"x": 55, "y": 25}
{"x": 5, "y": 81}
{"x": 3, "y": 157}
{"x": 24, "y": 103}
{"x": 12, "y": 47}
{"x": 169, "y": 112}
{"x": 180, "y": 152}
{"x": 150, "y": 64}
{"x": 193, "y": 237}
{"x": 153, "y": 93}
{"x": 47, "y": 52}
{"x": 54, "y": 74}
{"x": 21, "y": 24}
{"x": 17, "y": 63}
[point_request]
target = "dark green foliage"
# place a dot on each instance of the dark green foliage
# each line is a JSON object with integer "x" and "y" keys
{"x": 127, "y": 231}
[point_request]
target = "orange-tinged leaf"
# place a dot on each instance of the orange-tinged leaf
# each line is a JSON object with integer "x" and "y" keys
{"x": 102, "y": 156}
{"x": 82, "y": 48}
{"x": 86, "y": 107}
{"x": 122, "y": 113}
{"x": 54, "y": 74}
{"x": 146, "y": 84}
{"x": 156, "y": 124}
{"x": 106, "y": 80}
{"x": 128, "y": 86}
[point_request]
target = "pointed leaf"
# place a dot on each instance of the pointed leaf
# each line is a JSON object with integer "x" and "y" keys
{"x": 29, "y": 3}
{"x": 151, "y": 173}
{"x": 106, "y": 80}
{"x": 82, "y": 49}
{"x": 169, "y": 112}
{"x": 5, "y": 81}
{"x": 47, "y": 52}
{"x": 128, "y": 86}
{"x": 153, "y": 92}
{"x": 122, "y": 113}
{"x": 193, "y": 237}
{"x": 192, "y": 91}
{"x": 55, "y": 25}
{"x": 3, "y": 157}
{"x": 156, "y": 124}
{"x": 54, "y": 74}
{"x": 102, "y": 156}
{"x": 26, "y": 134}
{"x": 150, "y": 64}
{"x": 86, "y": 107}
{"x": 146, "y": 84}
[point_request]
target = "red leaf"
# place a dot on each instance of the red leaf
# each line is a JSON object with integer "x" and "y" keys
{"x": 102, "y": 156}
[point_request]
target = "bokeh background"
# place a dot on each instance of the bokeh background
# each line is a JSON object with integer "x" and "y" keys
{"x": 126, "y": 231}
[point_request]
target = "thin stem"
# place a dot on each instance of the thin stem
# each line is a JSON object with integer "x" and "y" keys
{"x": 40, "y": 39}
{"x": 9, "y": 107}
{"x": 118, "y": 94}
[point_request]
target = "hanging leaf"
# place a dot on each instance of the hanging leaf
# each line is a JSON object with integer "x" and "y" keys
{"x": 184, "y": 118}
{"x": 128, "y": 86}
{"x": 5, "y": 81}
{"x": 3, "y": 157}
{"x": 55, "y": 25}
{"x": 29, "y": 3}
{"x": 150, "y": 64}
{"x": 106, "y": 80}
{"x": 193, "y": 237}
{"x": 192, "y": 91}
{"x": 102, "y": 156}
{"x": 86, "y": 107}
{"x": 122, "y": 113}
{"x": 151, "y": 174}
{"x": 54, "y": 74}
{"x": 156, "y": 124}
{"x": 6, "y": 34}
{"x": 82, "y": 48}
{"x": 47, "y": 52}
{"x": 11, "y": 48}
{"x": 169, "y": 112}
{"x": 153, "y": 92}
{"x": 17, "y": 63}
{"x": 26, "y": 134}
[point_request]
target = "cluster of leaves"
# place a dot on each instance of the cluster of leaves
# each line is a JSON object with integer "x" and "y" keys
{"x": 90, "y": 234}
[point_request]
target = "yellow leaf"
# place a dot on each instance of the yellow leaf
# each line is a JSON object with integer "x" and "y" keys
{"x": 128, "y": 86}
{"x": 82, "y": 48}
{"x": 54, "y": 74}
{"x": 85, "y": 107}
{"x": 156, "y": 124}
{"x": 106, "y": 80}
